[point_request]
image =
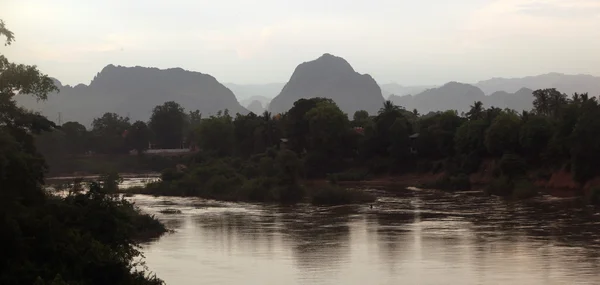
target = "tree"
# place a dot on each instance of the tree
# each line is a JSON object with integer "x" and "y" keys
{"x": 296, "y": 126}
{"x": 109, "y": 133}
{"x": 534, "y": 136}
{"x": 84, "y": 238}
{"x": 399, "y": 140}
{"x": 76, "y": 136}
{"x": 217, "y": 134}
{"x": 245, "y": 128}
{"x": 470, "y": 137}
{"x": 138, "y": 137}
{"x": 327, "y": 127}
{"x": 503, "y": 135}
{"x": 476, "y": 112}
{"x": 549, "y": 102}
{"x": 168, "y": 124}
{"x": 360, "y": 119}
{"x": 585, "y": 152}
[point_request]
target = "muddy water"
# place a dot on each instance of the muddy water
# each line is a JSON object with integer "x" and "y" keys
{"x": 409, "y": 237}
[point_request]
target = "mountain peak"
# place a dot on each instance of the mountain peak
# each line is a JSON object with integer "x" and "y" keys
{"x": 331, "y": 77}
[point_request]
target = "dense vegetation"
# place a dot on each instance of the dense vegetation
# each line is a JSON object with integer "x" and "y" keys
{"x": 87, "y": 237}
{"x": 236, "y": 151}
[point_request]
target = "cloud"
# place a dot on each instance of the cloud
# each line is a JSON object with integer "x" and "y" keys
{"x": 520, "y": 19}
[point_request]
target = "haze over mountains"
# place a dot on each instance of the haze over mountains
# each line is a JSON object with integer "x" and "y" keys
{"x": 135, "y": 91}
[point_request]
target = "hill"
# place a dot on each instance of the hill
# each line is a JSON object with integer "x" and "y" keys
{"x": 564, "y": 83}
{"x": 459, "y": 96}
{"x": 331, "y": 77}
{"x": 134, "y": 92}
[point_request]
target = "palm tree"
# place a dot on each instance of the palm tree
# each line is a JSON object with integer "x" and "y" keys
{"x": 476, "y": 111}
{"x": 388, "y": 106}
{"x": 268, "y": 127}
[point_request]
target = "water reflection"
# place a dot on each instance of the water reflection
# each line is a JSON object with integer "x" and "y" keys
{"x": 409, "y": 237}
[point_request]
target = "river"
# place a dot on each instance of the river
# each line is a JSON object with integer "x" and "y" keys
{"x": 408, "y": 237}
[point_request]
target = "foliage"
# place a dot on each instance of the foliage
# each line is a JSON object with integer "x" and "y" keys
{"x": 139, "y": 136}
{"x": 109, "y": 132}
{"x": 459, "y": 182}
{"x": 85, "y": 238}
{"x": 168, "y": 122}
{"x": 216, "y": 134}
{"x": 503, "y": 134}
{"x": 336, "y": 195}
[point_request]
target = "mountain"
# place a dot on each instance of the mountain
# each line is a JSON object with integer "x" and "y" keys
{"x": 451, "y": 96}
{"x": 331, "y": 77}
{"x": 247, "y": 91}
{"x": 522, "y": 100}
{"x": 460, "y": 96}
{"x": 255, "y": 107}
{"x": 134, "y": 92}
{"x": 400, "y": 90}
{"x": 264, "y": 101}
{"x": 564, "y": 83}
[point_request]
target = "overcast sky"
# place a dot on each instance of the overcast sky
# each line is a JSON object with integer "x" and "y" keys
{"x": 242, "y": 41}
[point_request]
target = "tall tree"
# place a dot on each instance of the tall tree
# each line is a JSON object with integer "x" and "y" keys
{"x": 109, "y": 133}
{"x": 168, "y": 123}
{"x": 138, "y": 137}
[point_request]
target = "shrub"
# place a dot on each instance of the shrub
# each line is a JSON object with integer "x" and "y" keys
{"x": 450, "y": 183}
{"x": 501, "y": 186}
{"x": 471, "y": 162}
{"x": 350, "y": 175}
{"x": 337, "y": 195}
{"x": 260, "y": 189}
{"x": 593, "y": 196}
{"x": 523, "y": 189}
{"x": 424, "y": 166}
{"x": 512, "y": 165}
{"x": 170, "y": 174}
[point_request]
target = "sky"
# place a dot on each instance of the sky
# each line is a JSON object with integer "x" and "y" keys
{"x": 418, "y": 42}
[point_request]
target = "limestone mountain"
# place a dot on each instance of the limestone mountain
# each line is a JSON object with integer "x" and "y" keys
{"x": 565, "y": 83}
{"x": 248, "y": 91}
{"x": 255, "y": 107}
{"x": 134, "y": 92}
{"x": 330, "y": 77}
{"x": 400, "y": 90}
{"x": 460, "y": 96}
{"x": 264, "y": 101}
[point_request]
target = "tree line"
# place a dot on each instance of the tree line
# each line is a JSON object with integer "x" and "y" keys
{"x": 558, "y": 133}
{"x": 86, "y": 237}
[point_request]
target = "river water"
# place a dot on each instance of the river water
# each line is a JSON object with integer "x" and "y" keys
{"x": 408, "y": 237}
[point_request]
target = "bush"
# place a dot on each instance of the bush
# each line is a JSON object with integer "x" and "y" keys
{"x": 593, "y": 196}
{"x": 260, "y": 189}
{"x": 501, "y": 186}
{"x": 520, "y": 188}
{"x": 471, "y": 162}
{"x": 350, "y": 175}
{"x": 425, "y": 166}
{"x": 512, "y": 165}
{"x": 523, "y": 189}
{"x": 335, "y": 195}
{"x": 170, "y": 174}
{"x": 450, "y": 183}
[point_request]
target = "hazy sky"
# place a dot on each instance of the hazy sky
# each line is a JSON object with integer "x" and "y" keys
{"x": 260, "y": 41}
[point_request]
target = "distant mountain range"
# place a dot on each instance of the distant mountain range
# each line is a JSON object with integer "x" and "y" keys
{"x": 564, "y": 83}
{"x": 513, "y": 93}
{"x": 460, "y": 96}
{"x": 400, "y": 90}
{"x": 134, "y": 92}
{"x": 254, "y": 91}
{"x": 331, "y": 77}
